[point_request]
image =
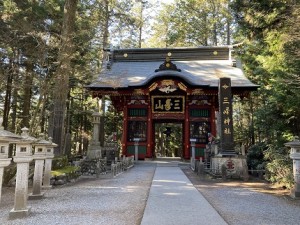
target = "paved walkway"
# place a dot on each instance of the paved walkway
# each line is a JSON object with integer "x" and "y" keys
{"x": 174, "y": 200}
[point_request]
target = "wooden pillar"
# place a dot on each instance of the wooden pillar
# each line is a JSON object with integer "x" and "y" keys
{"x": 149, "y": 132}
{"x": 125, "y": 127}
{"x": 213, "y": 121}
{"x": 186, "y": 130}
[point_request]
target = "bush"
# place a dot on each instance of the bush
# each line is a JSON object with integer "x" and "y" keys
{"x": 255, "y": 157}
{"x": 60, "y": 162}
{"x": 279, "y": 166}
{"x": 72, "y": 172}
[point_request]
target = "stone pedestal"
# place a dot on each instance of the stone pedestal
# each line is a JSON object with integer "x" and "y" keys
{"x": 3, "y": 163}
{"x": 21, "y": 192}
{"x": 47, "y": 173}
{"x": 235, "y": 166}
{"x": 37, "y": 179}
{"x": 94, "y": 150}
{"x": 136, "y": 149}
{"x": 295, "y": 156}
{"x": 48, "y": 163}
{"x": 193, "y": 158}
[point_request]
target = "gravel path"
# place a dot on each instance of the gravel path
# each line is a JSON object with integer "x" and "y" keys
{"x": 244, "y": 203}
{"x": 120, "y": 200}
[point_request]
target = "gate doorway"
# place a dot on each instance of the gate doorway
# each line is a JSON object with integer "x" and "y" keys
{"x": 168, "y": 139}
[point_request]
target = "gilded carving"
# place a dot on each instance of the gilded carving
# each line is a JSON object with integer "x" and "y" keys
{"x": 153, "y": 86}
{"x": 138, "y": 92}
{"x": 167, "y": 83}
{"x": 197, "y": 92}
{"x": 182, "y": 86}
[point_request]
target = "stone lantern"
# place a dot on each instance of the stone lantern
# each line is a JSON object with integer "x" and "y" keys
{"x": 48, "y": 163}
{"x": 6, "y": 138}
{"x": 94, "y": 149}
{"x": 22, "y": 158}
{"x": 40, "y": 149}
{"x": 295, "y": 156}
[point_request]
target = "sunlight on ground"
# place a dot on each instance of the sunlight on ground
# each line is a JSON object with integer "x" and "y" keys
{"x": 261, "y": 187}
{"x": 170, "y": 181}
{"x": 172, "y": 194}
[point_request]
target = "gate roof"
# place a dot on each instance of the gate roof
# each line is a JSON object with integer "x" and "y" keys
{"x": 201, "y": 66}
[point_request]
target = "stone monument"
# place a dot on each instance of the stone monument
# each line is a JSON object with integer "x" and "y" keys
{"x": 227, "y": 162}
{"x": 22, "y": 158}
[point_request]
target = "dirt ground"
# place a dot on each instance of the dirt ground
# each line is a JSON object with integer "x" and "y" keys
{"x": 254, "y": 184}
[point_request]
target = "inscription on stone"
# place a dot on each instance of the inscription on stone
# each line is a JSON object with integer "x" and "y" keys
{"x": 225, "y": 107}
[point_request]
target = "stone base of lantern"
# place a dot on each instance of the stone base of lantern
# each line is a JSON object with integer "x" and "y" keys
{"x": 94, "y": 151}
{"x": 47, "y": 187}
{"x": 295, "y": 192}
{"x": 18, "y": 214}
{"x": 36, "y": 197}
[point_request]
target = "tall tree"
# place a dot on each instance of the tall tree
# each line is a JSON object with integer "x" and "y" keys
{"x": 269, "y": 30}
{"x": 196, "y": 22}
{"x": 62, "y": 74}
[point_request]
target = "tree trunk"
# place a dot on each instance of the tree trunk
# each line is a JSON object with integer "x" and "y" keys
{"x": 228, "y": 31}
{"x": 61, "y": 87}
{"x": 27, "y": 92}
{"x": 7, "y": 100}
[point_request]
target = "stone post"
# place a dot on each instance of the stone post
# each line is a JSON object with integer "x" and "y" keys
{"x": 295, "y": 156}
{"x": 136, "y": 149}
{"x": 243, "y": 150}
{"x": 193, "y": 144}
{"x": 48, "y": 164}
{"x": 6, "y": 137}
{"x": 39, "y": 158}
{"x": 22, "y": 157}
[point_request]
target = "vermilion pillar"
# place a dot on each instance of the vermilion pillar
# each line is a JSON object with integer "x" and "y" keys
{"x": 149, "y": 132}
{"x": 125, "y": 127}
{"x": 213, "y": 121}
{"x": 186, "y": 131}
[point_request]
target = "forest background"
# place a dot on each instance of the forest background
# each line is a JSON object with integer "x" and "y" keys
{"x": 50, "y": 50}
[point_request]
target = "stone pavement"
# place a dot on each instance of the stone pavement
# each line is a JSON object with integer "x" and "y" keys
{"x": 174, "y": 200}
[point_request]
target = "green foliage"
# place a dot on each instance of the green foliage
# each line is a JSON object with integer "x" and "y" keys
{"x": 269, "y": 30}
{"x": 70, "y": 171}
{"x": 255, "y": 156}
{"x": 194, "y": 23}
{"x": 279, "y": 166}
{"x": 60, "y": 162}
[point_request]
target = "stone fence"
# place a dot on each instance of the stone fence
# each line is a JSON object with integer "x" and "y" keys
{"x": 118, "y": 167}
{"x": 93, "y": 167}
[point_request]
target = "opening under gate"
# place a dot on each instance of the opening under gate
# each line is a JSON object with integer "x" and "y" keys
{"x": 168, "y": 139}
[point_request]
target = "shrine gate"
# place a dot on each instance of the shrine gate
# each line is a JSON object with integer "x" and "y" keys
{"x": 169, "y": 85}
